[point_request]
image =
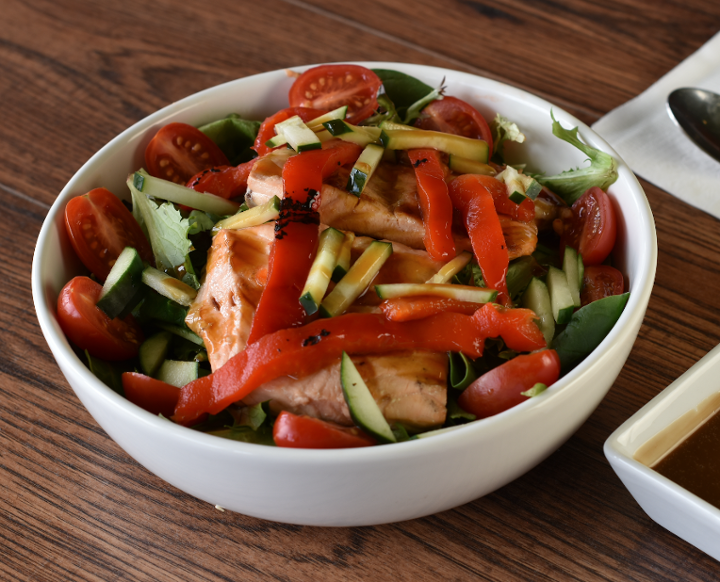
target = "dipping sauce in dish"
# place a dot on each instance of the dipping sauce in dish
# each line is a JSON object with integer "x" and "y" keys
{"x": 688, "y": 451}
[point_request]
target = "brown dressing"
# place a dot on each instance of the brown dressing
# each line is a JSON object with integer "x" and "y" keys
{"x": 688, "y": 451}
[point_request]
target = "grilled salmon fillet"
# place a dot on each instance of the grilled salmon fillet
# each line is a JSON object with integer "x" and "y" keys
{"x": 409, "y": 387}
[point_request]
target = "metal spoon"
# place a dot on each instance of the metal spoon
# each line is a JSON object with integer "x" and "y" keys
{"x": 697, "y": 111}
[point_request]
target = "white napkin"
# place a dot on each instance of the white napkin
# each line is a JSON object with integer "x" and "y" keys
{"x": 645, "y": 135}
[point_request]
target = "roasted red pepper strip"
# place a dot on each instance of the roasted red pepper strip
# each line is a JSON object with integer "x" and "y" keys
{"x": 409, "y": 308}
{"x": 296, "y": 236}
{"x": 224, "y": 181}
{"x": 471, "y": 194}
{"x": 435, "y": 204}
{"x": 303, "y": 350}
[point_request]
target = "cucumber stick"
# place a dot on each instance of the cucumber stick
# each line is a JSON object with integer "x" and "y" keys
{"x": 356, "y": 280}
{"x": 298, "y": 135}
{"x": 153, "y": 352}
{"x": 363, "y": 408}
{"x": 177, "y": 373}
{"x": 455, "y": 145}
{"x": 464, "y": 166}
{"x": 329, "y": 246}
{"x": 459, "y": 292}
{"x": 143, "y": 182}
{"x": 343, "y": 262}
{"x": 537, "y": 298}
{"x": 560, "y": 297}
{"x": 364, "y": 168}
{"x": 451, "y": 268}
{"x": 181, "y": 331}
{"x": 570, "y": 267}
{"x": 168, "y": 286}
{"x": 122, "y": 284}
{"x": 252, "y": 217}
{"x": 361, "y": 135}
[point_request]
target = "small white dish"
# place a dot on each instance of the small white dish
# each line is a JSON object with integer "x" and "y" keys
{"x": 670, "y": 505}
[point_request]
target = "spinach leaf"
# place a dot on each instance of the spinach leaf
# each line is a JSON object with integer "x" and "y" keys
{"x": 402, "y": 89}
{"x": 587, "y": 328}
{"x": 234, "y": 136}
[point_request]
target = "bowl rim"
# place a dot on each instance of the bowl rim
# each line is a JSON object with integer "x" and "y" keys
{"x": 60, "y": 348}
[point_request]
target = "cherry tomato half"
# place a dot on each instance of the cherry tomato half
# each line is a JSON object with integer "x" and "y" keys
{"x": 306, "y": 432}
{"x": 150, "y": 394}
{"x": 453, "y": 115}
{"x": 87, "y": 326}
{"x": 331, "y": 86}
{"x": 100, "y": 227}
{"x": 601, "y": 281}
{"x": 592, "y": 228}
{"x": 500, "y": 388}
{"x": 179, "y": 151}
{"x": 267, "y": 129}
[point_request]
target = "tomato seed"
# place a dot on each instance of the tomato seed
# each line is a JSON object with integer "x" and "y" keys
{"x": 205, "y": 156}
{"x": 169, "y": 172}
{"x": 179, "y": 140}
{"x": 197, "y": 147}
{"x": 308, "y": 94}
{"x": 187, "y": 144}
{"x": 164, "y": 162}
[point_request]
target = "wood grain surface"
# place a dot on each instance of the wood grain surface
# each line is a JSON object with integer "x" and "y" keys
{"x": 74, "y": 506}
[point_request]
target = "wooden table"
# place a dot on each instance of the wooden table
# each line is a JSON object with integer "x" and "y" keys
{"x": 74, "y": 506}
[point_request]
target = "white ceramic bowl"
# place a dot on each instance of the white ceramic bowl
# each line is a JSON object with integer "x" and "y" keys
{"x": 360, "y": 486}
{"x": 669, "y": 504}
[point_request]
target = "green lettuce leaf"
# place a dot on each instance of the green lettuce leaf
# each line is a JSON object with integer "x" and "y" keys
{"x": 167, "y": 232}
{"x": 403, "y": 90}
{"x": 572, "y": 184}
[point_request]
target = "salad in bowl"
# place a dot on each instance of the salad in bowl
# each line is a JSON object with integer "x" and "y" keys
{"x": 377, "y": 258}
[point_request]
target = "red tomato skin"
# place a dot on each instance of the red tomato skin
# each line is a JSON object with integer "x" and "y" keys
{"x": 99, "y": 219}
{"x": 500, "y": 388}
{"x": 179, "y": 151}
{"x": 87, "y": 326}
{"x": 150, "y": 394}
{"x": 601, "y": 281}
{"x": 592, "y": 229}
{"x": 306, "y": 432}
{"x": 453, "y": 115}
{"x": 267, "y": 129}
{"x": 331, "y": 86}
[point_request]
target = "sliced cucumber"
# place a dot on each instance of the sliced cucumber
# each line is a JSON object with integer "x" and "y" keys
{"x": 465, "y": 147}
{"x": 363, "y": 408}
{"x": 537, "y": 298}
{"x": 452, "y": 268}
{"x": 394, "y": 125}
{"x": 153, "y": 352}
{"x": 317, "y": 123}
{"x": 581, "y": 272}
{"x": 459, "y": 292}
{"x": 329, "y": 245}
{"x": 364, "y": 168}
{"x": 343, "y": 262}
{"x": 178, "y": 373}
{"x": 361, "y": 135}
{"x": 122, "y": 284}
{"x": 560, "y": 297}
{"x": 298, "y": 135}
{"x": 183, "y": 332}
{"x": 168, "y": 286}
{"x": 143, "y": 182}
{"x": 570, "y": 267}
{"x": 253, "y": 217}
{"x": 356, "y": 279}
{"x": 464, "y": 166}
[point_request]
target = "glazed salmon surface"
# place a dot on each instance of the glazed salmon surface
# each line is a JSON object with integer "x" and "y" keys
{"x": 410, "y": 388}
